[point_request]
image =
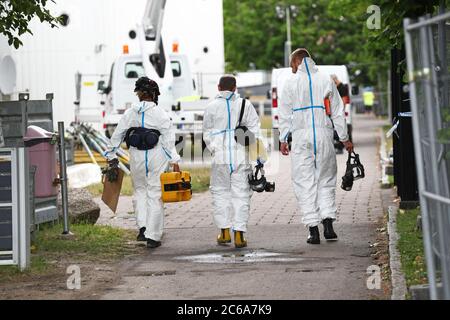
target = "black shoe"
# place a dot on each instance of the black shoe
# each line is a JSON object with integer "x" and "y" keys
{"x": 141, "y": 235}
{"x": 153, "y": 244}
{"x": 328, "y": 231}
{"x": 314, "y": 236}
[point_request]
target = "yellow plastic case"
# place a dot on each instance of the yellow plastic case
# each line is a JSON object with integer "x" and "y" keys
{"x": 176, "y": 186}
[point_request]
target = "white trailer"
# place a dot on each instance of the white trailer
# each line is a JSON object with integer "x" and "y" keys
{"x": 52, "y": 60}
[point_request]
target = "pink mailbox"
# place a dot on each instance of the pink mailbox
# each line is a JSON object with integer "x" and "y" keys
{"x": 42, "y": 154}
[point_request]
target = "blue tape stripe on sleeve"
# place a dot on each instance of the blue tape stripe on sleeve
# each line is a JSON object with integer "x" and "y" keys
{"x": 105, "y": 154}
{"x": 167, "y": 153}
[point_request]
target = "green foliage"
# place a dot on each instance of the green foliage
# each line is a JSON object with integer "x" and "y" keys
{"x": 15, "y": 16}
{"x": 334, "y": 31}
{"x": 255, "y": 35}
{"x": 92, "y": 240}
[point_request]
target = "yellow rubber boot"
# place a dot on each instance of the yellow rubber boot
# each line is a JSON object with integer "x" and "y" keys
{"x": 239, "y": 240}
{"x": 224, "y": 237}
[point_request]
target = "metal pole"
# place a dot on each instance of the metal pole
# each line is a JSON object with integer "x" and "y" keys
{"x": 86, "y": 147}
{"x": 426, "y": 227}
{"x": 63, "y": 177}
{"x": 288, "y": 46}
{"x": 24, "y": 208}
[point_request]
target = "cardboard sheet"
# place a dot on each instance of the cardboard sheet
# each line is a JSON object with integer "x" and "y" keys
{"x": 111, "y": 191}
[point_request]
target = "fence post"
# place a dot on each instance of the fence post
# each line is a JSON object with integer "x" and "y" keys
{"x": 63, "y": 177}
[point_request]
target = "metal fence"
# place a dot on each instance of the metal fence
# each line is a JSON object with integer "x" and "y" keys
{"x": 427, "y": 43}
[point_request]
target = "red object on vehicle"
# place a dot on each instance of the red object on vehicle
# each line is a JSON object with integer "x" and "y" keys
{"x": 326, "y": 103}
{"x": 103, "y": 116}
{"x": 274, "y": 98}
{"x": 346, "y": 99}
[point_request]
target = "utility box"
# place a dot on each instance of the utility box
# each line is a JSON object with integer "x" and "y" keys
{"x": 42, "y": 154}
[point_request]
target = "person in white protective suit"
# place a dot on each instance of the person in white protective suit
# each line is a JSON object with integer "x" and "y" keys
{"x": 146, "y": 166}
{"x": 314, "y": 170}
{"x": 229, "y": 185}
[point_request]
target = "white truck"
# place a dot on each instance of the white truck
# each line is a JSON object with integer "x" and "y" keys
{"x": 280, "y": 75}
{"x": 116, "y": 93}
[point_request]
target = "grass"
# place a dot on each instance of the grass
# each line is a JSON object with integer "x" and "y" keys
{"x": 391, "y": 180}
{"x": 266, "y": 122}
{"x": 89, "y": 243}
{"x": 411, "y": 249}
{"x": 266, "y": 126}
{"x": 199, "y": 176}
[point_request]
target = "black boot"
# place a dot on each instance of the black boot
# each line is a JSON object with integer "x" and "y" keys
{"x": 328, "y": 231}
{"x": 153, "y": 244}
{"x": 314, "y": 236}
{"x": 141, "y": 235}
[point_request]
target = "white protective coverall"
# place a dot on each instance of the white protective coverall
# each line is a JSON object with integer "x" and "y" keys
{"x": 314, "y": 168}
{"x": 147, "y": 166}
{"x": 229, "y": 185}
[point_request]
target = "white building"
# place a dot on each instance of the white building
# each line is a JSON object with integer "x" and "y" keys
{"x": 95, "y": 35}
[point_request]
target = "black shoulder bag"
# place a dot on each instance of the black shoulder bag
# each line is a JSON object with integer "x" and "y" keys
{"x": 242, "y": 135}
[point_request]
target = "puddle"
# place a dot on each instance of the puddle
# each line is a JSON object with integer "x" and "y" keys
{"x": 244, "y": 257}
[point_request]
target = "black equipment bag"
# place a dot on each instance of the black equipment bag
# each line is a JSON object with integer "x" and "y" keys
{"x": 142, "y": 138}
{"x": 242, "y": 135}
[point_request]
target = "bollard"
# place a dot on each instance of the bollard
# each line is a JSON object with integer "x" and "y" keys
{"x": 63, "y": 177}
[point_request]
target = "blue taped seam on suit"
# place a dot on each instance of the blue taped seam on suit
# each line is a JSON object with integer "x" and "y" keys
{"x": 229, "y": 131}
{"x": 312, "y": 109}
{"x": 146, "y": 151}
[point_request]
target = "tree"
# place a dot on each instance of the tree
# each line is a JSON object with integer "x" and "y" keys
{"x": 15, "y": 16}
{"x": 254, "y": 35}
{"x": 335, "y": 32}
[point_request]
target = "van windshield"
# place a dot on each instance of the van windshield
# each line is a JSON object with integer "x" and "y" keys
{"x": 134, "y": 70}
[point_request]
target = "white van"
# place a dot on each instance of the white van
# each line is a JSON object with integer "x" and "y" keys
{"x": 117, "y": 94}
{"x": 279, "y": 77}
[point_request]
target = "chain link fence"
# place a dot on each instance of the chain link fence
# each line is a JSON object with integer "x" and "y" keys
{"x": 427, "y": 44}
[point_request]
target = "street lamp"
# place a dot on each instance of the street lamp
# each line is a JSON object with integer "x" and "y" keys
{"x": 287, "y": 12}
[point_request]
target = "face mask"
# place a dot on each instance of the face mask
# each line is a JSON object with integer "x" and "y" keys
{"x": 260, "y": 184}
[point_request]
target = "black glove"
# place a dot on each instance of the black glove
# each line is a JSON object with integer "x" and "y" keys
{"x": 112, "y": 171}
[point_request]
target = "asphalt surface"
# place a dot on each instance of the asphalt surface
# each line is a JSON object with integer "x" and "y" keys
{"x": 278, "y": 263}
